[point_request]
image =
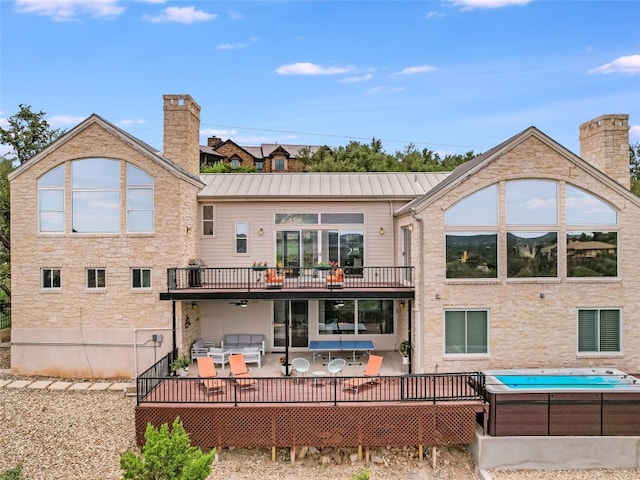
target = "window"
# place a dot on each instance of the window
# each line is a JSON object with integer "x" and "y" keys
{"x": 140, "y": 278}
{"x": 139, "y": 200}
{"x": 532, "y": 202}
{"x": 235, "y": 163}
{"x": 592, "y": 254}
{"x": 96, "y": 278}
{"x": 479, "y": 208}
{"x": 50, "y": 278}
{"x": 472, "y": 255}
{"x": 278, "y": 164}
{"x": 207, "y": 220}
{"x": 51, "y": 201}
{"x": 466, "y": 331}
{"x": 259, "y": 166}
{"x": 241, "y": 238}
{"x": 95, "y": 195}
{"x": 355, "y": 317}
{"x": 598, "y": 330}
{"x": 337, "y": 218}
{"x": 532, "y": 254}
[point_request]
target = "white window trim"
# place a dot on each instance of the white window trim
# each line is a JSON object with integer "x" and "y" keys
{"x": 599, "y": 354}
{"x": 213, "y": 220}
{"x": 86, "y": 279}
{"x": 51, "y": 288}
{"x": 465, "y": 356}
{"x": 142, "y": 288}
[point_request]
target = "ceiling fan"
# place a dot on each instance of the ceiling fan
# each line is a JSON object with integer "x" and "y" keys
{"x": 240, "y": 303}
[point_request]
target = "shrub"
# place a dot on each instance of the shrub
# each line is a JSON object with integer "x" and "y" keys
{"x": 167, "y": 454}
{"x": 13, "y": 474}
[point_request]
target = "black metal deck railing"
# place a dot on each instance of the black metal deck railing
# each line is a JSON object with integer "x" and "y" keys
{"x": 156, "y": 386}
{"x": 250, "y": 279}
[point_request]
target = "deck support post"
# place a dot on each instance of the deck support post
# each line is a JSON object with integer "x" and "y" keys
{"x": 434, "y": 455}
{"x": 420, "y": 453}
{"x": 293, "y": 456}
{"x": 367, "y": 456}
{"x": 273, "y": 454}
{"x": 359, "y": 452}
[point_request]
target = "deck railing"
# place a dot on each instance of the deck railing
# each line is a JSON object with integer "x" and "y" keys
{"x": 250, "y": 279}
{"x": 156, "y": 386}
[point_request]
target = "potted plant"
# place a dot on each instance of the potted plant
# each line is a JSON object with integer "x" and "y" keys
{"x": 181, "y": 365}
{"x": 283, "y": 365}
{"x": 405, "y": 350}
{"x": 260, "y": 265}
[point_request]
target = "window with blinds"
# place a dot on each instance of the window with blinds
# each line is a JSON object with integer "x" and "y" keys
{"x": 466, "y": 331}
{"x": 598, "y": 330}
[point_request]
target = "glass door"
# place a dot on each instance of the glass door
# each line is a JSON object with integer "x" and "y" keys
{"x": 288, "y": 252}
{"x": 352, "y": 252}
{"x": 291, "y": 319}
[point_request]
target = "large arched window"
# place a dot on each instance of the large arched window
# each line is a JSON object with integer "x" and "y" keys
{"x": 97, "y": 187}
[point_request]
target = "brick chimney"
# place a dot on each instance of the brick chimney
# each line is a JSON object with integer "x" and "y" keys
{"x": 604, "y": 143}
{"x": 182, "y": 131}
{"x": 213, "y": 141}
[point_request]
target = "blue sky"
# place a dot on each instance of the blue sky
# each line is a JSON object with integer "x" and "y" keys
{"x": 450, "y": 76}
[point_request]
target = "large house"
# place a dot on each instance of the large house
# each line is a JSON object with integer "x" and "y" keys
{"x": 526, "y": 256}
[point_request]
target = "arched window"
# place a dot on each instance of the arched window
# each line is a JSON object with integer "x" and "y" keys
{"x": 139, "y": 200}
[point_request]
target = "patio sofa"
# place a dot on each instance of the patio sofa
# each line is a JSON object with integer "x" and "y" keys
{"x": 200, "y": 348}
{"x": 238, "y": 341}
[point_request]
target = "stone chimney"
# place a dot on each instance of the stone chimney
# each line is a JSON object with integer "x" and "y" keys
{"x": 604, "y": 143}
{"x": 213, "y": 141}
{"x": 182, "y": 131}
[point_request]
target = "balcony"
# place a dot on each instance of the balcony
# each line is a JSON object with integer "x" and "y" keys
{"x": 195, "y": 282}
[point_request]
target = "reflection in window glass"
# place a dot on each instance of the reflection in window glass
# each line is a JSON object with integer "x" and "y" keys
{"x": 96, "y": 195}
{"x": 532, "y": 254}
{"x": 341, "y": 218}
{"x": 466, "y": 331}
{"x": 532, "y": 202}
{"x": 376, "y": 316}
{"x": 51, "y": 201}
{"x": 139, "y": 200}
{"x": 472, "y": 255}
{"x": 241, "y": 237}
{"x": 586, "y": 209}
{"x": 479, "y": 208}
{"x": 336, "y": 317}
{"x": 296, "y": 218}
{"x": 592, "y": 254}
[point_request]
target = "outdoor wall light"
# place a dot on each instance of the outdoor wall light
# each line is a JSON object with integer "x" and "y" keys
{"x": 437, "y": 296}
{"x": 381, "y": 231}
{"x": 261, "y": 231}
{"x": 411, "y": 227}
{"x": 542, "y": 295}
{"x": 194, "y": 305}
{"x": 188, "y": 230}
{"x": 402, "y": 303}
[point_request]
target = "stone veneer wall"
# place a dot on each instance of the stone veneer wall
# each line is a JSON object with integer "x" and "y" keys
{"x": 525, "y": 329}
{"x": 75, "y": 332}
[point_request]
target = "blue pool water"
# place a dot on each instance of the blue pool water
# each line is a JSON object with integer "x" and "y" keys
{"x": 560, "y": 381}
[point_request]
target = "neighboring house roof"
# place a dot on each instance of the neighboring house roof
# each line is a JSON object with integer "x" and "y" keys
{"x": 144, "y": 148}
{"x": 404, "y": 186}
{"x": 263, "y": 151}
{"x": 467, "y": 169}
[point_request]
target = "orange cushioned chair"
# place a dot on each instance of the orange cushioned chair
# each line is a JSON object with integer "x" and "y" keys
{"x": 207, "y": 373}
{"x": 273, "y": 280}
{"x": 371, "y": 372}
{"x": 336, "y": 279}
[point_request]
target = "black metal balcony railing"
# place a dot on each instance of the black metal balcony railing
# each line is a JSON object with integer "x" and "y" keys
{"x": 154, "y": 387}
{"x": 250, "y": 279}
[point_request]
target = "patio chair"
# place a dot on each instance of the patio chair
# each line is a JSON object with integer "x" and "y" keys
{"x": 370, "y": 374}
{"x": 219, "y": 355}
{"x": 206, "y": 374}
{"x": 252, "y": 355}
{"x": 240, "y": 372}
{"x": 336, "y": 366}
{"x": 336, "y": 279}
{"x": 301, "y": 365}
{"x": 273, "y": 280}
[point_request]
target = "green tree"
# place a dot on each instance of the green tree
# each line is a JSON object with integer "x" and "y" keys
{"x": 167, "y": 455}
{"x": 634, "y": 166}
{"x": 28, "y": 134}
{"x": 5, "y": 232}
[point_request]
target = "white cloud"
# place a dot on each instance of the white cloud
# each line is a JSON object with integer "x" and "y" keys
{"x": 235, "y": 46}
{"x": 67, "y": 10}
{"x": 181, "y": 15}
{"x": 379, "y": 90}
{"x": 62, "y": 121}
{"x": 414, "y": 70}
{"x": 629, "y": 64}
{"x": 129, "y": 123}
{"x": 434, "y": 14}
{"x": 306, "y": 68}
{"x": 361, "y": 78}
{"x": 470, "y": 4}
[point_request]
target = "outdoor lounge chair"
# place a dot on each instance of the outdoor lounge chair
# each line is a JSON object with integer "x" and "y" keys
{"x": 273, "y": 280}
{"x": 336, "y": 279}
{"x": 240, "y": 372}
{"x": 370, "y": 375}
{"x": 207, "y": 373}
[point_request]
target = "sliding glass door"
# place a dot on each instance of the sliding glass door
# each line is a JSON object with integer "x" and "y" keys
{"x": 291, "y": 318}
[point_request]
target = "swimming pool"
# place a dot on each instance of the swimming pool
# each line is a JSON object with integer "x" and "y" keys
{"x": 579, "y": 401}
